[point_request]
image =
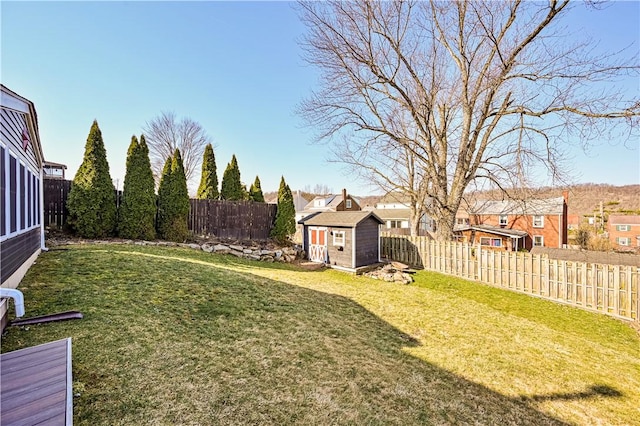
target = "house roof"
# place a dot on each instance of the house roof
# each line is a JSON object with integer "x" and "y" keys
{"x": 394, "y": 197}
{"x": 11, "y": 100}
{"x": 299, "y": 202}
{"x": 331, "y": 202}
{"x": 549, "y": 206}
{"x": 506, "y": 232}
{"x": 624, "y": 219}
{"x": 393, "y": 214}
{"x": 52, "y": 164}
{"x": 346, "y": 219}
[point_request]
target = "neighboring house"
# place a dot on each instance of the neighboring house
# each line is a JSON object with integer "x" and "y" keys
{"x": 344, "y": 240}
{"x": 517, "y": 224}
{"x": 394, "y": 208}
{"x": 21, "y": 160}
{"x": 299, "y": 203}
{"x": 53, "y": 170}
{"x": 332, "y": 203}
{"x": 624, "y": 231}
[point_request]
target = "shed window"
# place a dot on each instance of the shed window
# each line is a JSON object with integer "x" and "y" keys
{"x": 538, "y": 221}
{"x": 338, "y": 238}
{"x": 491, "y": 242}
{"x": 503, "y": 220}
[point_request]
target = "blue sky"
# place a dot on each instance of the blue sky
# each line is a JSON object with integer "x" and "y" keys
{"x": 235, "y": 67}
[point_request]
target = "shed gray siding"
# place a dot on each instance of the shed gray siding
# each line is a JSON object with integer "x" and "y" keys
{"x": 342, "y": 257}
{"x": 368, "y": 240}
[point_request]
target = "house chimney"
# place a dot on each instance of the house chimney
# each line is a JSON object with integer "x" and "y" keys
{"x": 344, "y": 195}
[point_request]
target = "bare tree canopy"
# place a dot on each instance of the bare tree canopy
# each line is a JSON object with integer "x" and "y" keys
{"x": 429, "y": 97}
{"x": 165, "y": 134}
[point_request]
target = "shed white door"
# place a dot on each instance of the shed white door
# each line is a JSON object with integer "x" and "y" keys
{"x": 318, "y": 244}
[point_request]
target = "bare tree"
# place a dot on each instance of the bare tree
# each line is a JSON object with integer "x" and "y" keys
{"x": 165, "y": 134}
{"x": 434, "y": 96}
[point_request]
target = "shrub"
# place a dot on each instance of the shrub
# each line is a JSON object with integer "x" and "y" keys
{"x": 138, "y": 209}
{"x": 285, "y": 224}
{"x": 92, "y": 199}
{"x": 208, "y": 189}
{"x": 173, "y": 201}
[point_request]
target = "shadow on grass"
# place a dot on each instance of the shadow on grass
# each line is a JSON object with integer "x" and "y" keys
{"x": 592, "y": 392}
{"x": 168, "y": 339}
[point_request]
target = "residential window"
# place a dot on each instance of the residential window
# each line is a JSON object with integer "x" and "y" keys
{"x": 491, "y": 242}
{"x": 338, "y": 238}
{"x": 538, "y": 221}
{"x": 538, "y": 241}
{"x": 394, "y": 224}
{"x": 623, "y": 241}
{"x": 348, "y": 204}
{"x": 13, "y": 194}
{"x": 503, "y": 220}
{"x": 623, "y": 228}
{"x": 462, "y": 221}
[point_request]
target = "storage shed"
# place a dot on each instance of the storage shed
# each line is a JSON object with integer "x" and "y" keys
{"x": 344, "y": 240}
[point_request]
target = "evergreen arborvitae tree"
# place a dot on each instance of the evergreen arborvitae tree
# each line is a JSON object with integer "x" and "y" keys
{"x": 92, "y": 200}
{"x": 232, "y": 189}
{"x": 173, "y": 201}
{"x": 138, "y": 208}
{"x": 208, "y": 189}
{"x": 255, "y": 192}
{"x": 285, "y": 224}
{"x": 164, "y": 198}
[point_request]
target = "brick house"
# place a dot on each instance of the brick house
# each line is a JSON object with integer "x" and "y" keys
{"x": 517, "y": 224}
{"x": 624, "y": 231}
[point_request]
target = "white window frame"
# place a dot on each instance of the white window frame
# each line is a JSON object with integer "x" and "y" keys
{"x": 541, "y": 241}
{"x": 30, "y": 204}
{"x": 623, "y": 241}
{"x": 339, "y": 238}
{"x": 489, "y": 242}
{"x": 623, "y": 228}
{"x": 538, "y": 221}
{"x": 348, "y": 204}
{"x": 503, "y": 220}
{"x": 396, "y": 222}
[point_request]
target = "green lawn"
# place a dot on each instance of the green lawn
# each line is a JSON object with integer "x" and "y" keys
{"x": 177, "y": 336}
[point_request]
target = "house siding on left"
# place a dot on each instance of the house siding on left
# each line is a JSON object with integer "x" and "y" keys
{"x": 20, "y": 190}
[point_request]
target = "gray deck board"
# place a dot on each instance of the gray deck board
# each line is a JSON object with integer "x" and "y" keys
{"x": 35, "y": 385}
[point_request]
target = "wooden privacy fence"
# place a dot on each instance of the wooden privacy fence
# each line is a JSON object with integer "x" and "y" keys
{"x": 232, "y": 219}
{"x": 55, "y": 192}
{"x": 608, "y": 289}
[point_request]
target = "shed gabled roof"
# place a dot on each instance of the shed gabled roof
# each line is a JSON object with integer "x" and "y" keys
{"x": 346, "y": 219}
{"x": 549, "y": 206}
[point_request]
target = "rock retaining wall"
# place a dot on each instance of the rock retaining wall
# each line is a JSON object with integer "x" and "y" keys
{"x": 262, "y": 252}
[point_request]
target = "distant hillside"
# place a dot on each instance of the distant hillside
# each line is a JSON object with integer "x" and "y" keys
{"x": 584, "y": 199}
